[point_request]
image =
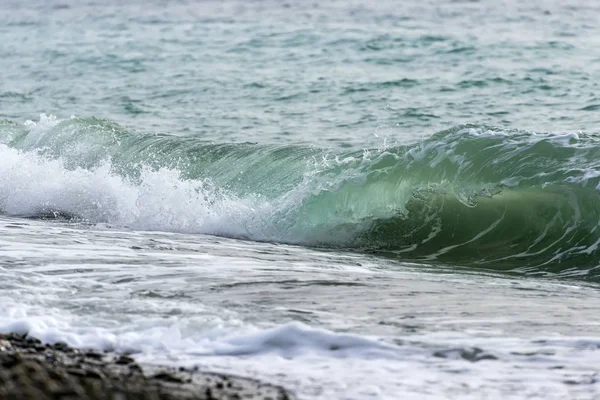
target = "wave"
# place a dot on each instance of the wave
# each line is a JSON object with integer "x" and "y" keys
{"x": 471, "y": 195}
{"x": 290, "y": 340}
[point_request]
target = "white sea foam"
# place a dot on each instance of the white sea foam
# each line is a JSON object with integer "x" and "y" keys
{"x": 306, "y": 357}
{"x": 31, "y": 185}
{"x": 317, "y": 363}
{"x": 226, "y": 305}
{"x": 560, "y": 138}
{"x": 158, "y": 200}
{"x": 38, "y": 130}
{"x": 288, "y": 340}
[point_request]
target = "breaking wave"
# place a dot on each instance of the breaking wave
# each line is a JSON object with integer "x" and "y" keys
{"x": 470, "y": 195}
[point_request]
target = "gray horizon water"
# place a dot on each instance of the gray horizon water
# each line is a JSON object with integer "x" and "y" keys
{"x": 129, "y": 228}
{"x": 328, "y": 74}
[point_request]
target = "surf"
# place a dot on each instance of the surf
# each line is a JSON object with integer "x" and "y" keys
{"x": 471, "y": 195}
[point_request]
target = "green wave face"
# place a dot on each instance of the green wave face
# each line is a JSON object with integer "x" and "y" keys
{"x": 471, "y": 195}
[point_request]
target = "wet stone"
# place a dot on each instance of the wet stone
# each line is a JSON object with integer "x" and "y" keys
{"x": 60, "y": 372}
{"x": 10, "y": 360}
{"x": 123, "y": 360}
{"x": 474, "y": 354}
{"x": 61, "y": 346}
{"x": 92, "y": 373}
{"x": 165, "y": 376}
{"x": 76, "y": 371}
{"x": 94, "y": 355}
{"x": 32, "y": 341}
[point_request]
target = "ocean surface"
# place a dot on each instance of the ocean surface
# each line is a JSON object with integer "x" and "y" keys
{"x": 355, "y": 200}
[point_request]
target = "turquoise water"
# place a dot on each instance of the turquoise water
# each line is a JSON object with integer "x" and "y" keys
{"x": 331, "y": 74}
{"x": 353, "y": 200}
{"x": 469, "y": 196}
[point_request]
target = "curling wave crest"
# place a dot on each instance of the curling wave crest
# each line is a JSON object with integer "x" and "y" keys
{"x": 470, "y": 195}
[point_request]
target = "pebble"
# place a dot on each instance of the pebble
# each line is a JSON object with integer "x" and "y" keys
{"x": 30, "y": 370}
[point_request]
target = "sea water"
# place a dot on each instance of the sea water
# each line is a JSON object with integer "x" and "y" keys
{"x": 355, "y": 200}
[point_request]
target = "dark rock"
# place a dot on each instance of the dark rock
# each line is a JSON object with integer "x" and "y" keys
{"x": 94, "y": 355}
{"x": 123, "y": 360}
{"x": 474, "y": 354}
{"x": 60, "y": 346}
{"x": 62, "y": 391}
{"x": 31, "y": 367}
{"x": 76, "y": 371}
{"x": 31, "y": 371}
{"x": 30, "y": 341}
{"x": 59, "y": 376}
{"x": 34, "y": 393}
{"x": 10, "y": 360}
{"x": 92, "y": 373}
{"x": 165, "y": 376}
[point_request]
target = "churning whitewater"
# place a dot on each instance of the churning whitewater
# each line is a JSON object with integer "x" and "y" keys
{"x": 354, "y": 200}
{"x": 471, "y": 195}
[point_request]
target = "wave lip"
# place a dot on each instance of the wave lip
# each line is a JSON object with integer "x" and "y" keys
{"x": 471, "y": 195}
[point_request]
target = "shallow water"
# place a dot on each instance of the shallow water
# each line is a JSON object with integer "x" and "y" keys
{"x": 325, "y": 324}
{"x": 356, "y": 201}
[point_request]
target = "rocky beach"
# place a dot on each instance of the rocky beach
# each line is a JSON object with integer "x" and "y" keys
{"x": 317, "y": 200}
{"x": 31, "y": 370}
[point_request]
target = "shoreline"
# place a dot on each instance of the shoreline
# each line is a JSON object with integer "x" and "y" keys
{"x": 30, "y": 370}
